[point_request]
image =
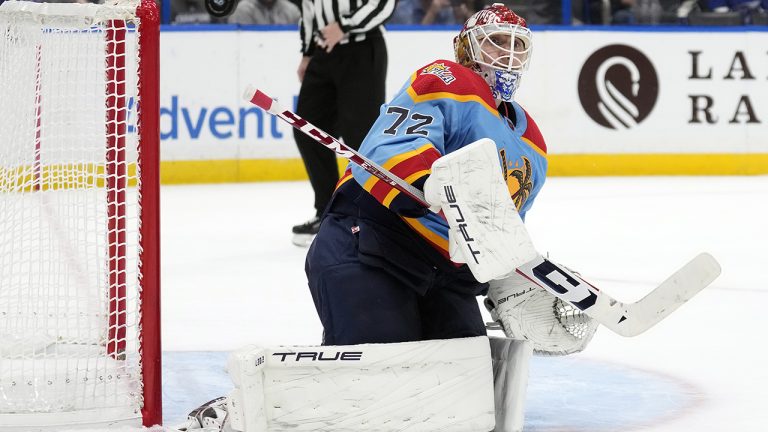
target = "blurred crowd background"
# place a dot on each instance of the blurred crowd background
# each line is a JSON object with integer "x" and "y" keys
{"x": 455, "y": 12}
{"x": 537, "y": 12}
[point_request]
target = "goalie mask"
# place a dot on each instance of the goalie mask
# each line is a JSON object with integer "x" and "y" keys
{"x": 496, "y": 43}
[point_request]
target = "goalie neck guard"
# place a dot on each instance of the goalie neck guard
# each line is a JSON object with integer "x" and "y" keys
{"x": 496, "y": 43}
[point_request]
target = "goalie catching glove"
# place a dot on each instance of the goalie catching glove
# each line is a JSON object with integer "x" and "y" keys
{"x": 527, "y": 311}
{"x": 485, "y": 229}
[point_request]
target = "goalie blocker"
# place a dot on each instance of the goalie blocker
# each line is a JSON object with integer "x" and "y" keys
{"x": 486, "y": 231}
{"x": 446, "y": 385}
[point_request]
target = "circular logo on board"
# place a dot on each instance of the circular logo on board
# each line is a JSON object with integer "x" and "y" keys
{"x": 618, "y": 86}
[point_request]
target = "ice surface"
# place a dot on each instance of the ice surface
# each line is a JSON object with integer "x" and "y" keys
{"x": 231, "y": 277}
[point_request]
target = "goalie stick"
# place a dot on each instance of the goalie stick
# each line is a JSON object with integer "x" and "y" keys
{"x": 626, "y": 319}
{"x": 261, "y": 100}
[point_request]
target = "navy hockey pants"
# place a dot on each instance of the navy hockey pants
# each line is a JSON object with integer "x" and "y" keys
{"x": 360, "y": 300}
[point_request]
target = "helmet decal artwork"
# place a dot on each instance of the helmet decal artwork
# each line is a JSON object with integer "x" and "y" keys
{"x": 506, "y": 84}
{"x": 496, "y": 43}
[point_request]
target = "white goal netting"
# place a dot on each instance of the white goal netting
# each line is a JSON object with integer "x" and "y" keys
{"x": 70, "y": 205}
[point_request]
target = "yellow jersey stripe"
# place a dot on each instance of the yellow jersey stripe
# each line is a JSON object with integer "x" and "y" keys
{"x": 534, "y": 147}
{"x": 427, "y": 233}
{"x": 410, "y": 179}
{"x": 446, "y": 95}
{"x": 371, "y": 182}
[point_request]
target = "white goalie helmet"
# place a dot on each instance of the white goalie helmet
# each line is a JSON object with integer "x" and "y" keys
{"x": 496, "y": 43}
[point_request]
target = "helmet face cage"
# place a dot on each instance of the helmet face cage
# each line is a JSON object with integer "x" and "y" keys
{"x": 496, "y": 43}
{"x": 500, "y": 46}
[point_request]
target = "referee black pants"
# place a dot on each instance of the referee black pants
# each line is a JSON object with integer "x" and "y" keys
{"x": 341, "y": 94}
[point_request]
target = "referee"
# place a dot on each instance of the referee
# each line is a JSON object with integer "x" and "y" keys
{"x": 342, "y": 74}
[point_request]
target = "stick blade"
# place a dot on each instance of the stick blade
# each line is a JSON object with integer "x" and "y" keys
{"x": 685, "y": 283}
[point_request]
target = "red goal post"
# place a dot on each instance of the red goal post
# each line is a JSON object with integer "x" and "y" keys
{"x": 79, "y": 215}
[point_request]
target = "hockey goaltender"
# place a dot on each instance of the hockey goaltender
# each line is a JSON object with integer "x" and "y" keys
{"x": 428, "y": 216}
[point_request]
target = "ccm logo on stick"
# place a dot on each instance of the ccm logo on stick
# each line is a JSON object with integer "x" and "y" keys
{"x": 563, "y": 283}
{"x": 321, "y": 356}
{"x": 451, "y": 197}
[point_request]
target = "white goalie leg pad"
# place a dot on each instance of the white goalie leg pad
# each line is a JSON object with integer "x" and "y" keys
{"x": 444, "y": 385}
{"x": 511, "y": 363}
{"x": 527, "y": 311}
{"x": 486, "y": 231}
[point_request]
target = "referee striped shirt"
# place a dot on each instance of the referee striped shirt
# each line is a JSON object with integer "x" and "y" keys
{"x": 359, "y": 19}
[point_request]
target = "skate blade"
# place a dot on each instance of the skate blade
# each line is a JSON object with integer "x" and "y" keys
{"x": 303, "y": 240}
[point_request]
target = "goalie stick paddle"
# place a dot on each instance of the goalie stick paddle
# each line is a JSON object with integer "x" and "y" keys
{"x": 626, "y": 319}
{"x": 261, "y": 100}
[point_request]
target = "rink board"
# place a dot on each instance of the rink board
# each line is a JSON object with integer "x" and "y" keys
{"x": 607, "y": 102}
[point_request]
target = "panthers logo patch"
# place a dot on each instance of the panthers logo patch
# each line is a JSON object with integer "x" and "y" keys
{"x": 518, "y": 176}
{"x": 441, "y": 71}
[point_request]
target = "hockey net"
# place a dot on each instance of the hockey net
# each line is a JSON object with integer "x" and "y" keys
{"x": 79, "y": 234}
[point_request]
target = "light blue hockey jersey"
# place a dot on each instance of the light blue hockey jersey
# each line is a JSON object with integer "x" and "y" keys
{"x": 443, "y": 107}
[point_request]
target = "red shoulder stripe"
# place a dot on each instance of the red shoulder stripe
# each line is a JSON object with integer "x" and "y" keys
{"x": 533, "y": 134}
{"x": 445, "y": 76}
{"x": 409, "y": 169}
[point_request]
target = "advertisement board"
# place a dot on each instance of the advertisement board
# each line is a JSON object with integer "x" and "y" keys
{"x": 607, "y": 102}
